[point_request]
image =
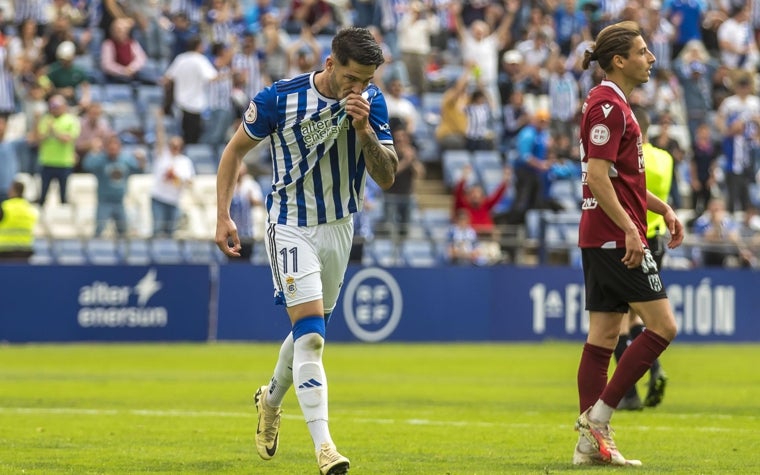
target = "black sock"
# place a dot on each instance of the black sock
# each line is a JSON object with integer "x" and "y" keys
{"x": 636, "y": 331}
{"x": 621, "y": 346}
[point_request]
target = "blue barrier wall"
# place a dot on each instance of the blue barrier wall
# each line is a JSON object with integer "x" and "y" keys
{"x": 104, "y": 303}
{"x": 484, "y": 303}
{"x": 163, "y": 303}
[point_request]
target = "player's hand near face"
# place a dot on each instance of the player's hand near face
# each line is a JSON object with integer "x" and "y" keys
{"x": 357, "y": 107}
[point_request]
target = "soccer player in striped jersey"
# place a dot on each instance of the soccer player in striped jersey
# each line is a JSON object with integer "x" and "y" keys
{"x": 327, "y": 129}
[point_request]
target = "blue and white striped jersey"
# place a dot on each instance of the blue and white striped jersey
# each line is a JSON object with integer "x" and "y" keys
{"x": 318, "y": 165}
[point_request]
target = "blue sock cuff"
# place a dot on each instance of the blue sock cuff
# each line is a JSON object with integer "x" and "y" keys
{"x": 308, "y": 325}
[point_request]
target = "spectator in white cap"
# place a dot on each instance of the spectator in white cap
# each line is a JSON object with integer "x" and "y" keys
{"x": 511, "y": 75}
{"x": 69, "y": 80}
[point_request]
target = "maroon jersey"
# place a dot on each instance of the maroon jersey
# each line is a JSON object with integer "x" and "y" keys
{"x": 609, "y": 131}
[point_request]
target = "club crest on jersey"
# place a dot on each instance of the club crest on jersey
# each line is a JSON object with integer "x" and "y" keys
{"x": 290, "y": 286}
{"x": 251, "y": 113}
{"x": 599, "y": 135}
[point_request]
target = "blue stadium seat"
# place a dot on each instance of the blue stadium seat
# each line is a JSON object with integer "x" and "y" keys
{"x": 200, "y": 252}
{"x": 137, "y": 252}
{"x": 69, "y": 252}
{"x": 453, "y": 162}
{"x": 566, "y": 192}
{"x": 117, "y": 92}
{"x": 490, "y": 175}
{"x": 383, "y": 252}
{"x": 202, "y": 157}
{"x": 166, "y": 251}
{"x": 418, "y": 253}
{"x": 43, "y": 252}
{"x": 486, "y": 158}
{"x": 431, "y": 102}
{"x": 104, "y": 251}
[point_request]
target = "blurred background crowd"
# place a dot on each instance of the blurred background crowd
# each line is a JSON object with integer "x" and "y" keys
{"x": 113, "y": 115}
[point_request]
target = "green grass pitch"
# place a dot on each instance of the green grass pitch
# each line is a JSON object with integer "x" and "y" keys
{"x": 395, "y": 409}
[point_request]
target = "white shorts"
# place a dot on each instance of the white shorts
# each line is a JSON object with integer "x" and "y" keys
{"x": 308, "y": 263}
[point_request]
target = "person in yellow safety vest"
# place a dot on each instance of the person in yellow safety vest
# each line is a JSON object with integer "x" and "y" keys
{"x": 18, "y": 218}
{"x": 658, "y": 166}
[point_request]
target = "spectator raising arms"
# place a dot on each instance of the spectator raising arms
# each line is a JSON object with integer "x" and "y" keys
{"x": 172, "y": 174}
{"x": 112, "y": 168}
{"x": 479, "y": 205}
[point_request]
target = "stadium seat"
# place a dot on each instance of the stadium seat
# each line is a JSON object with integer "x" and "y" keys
{"x": 82, "y": 187}
{"x": 491, "y": 176}
{"x": 566, "y": 192}
{"x": 31, "y": 185}
{"x": 137, "y": 252}
{"x": 418, "y": 253}
{"x": 198, "y": 251}
{"x": 43, "y": 252}
{"x": 59, "y": 221}
{"x": 137, "y": 204}
{"x": 203, "y": 190}
{"x": 431, "y": 102}
{"x": 486, "y": 158}
{"x": 453, "y": 161}
{"x": 166, "y": 251}
{"x": 69, "y": 251}
{"x": 117, "y": 93}
{"x": 203, "y": 158}
{"x": 383, "y": 252}
{"x": 104, "y": 251}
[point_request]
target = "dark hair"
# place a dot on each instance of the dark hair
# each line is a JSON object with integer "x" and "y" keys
{"x": 357, "y": 44}
{"x": 477, "y": 94}
{"x": 18, "y": 188}
{"x": 613, "y": 40}
{"x": 193, "y": 43}
{"x": 642, "y": 117}
{"x": 218, "y": 48}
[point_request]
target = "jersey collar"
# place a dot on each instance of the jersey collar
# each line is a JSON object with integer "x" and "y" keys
{"x": 608, "y": 83}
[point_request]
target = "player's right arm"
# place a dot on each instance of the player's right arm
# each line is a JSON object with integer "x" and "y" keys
{"x": 598, "y": 180}
{"x": 601, "y": 146}
{"x": 226, "y": 177}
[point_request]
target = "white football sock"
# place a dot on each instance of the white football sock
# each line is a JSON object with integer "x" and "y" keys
{"x": 601, "y": 412}
{"x": 282, "y": 379}
{"x": 311, "y": 385}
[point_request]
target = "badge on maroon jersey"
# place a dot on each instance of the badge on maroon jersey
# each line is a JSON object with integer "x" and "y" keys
{"x": 599, "y": 135}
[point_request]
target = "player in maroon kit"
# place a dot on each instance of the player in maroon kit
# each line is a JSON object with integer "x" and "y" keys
{"x": 618, "y": 268}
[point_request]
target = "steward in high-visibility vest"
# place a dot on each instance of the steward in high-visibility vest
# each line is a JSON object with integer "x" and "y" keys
{"x": 18, "y": 218}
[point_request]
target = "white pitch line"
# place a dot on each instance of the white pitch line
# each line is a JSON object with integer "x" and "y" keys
{"x": 414, "y": 422}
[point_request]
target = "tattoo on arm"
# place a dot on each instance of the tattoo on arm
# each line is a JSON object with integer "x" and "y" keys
{"x": 382, "y": 161}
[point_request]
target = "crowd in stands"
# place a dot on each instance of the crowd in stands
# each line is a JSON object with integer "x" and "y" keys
{"x": 136, "y": 99}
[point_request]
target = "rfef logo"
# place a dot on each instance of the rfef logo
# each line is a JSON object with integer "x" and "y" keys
{"x": 372, "y": 304}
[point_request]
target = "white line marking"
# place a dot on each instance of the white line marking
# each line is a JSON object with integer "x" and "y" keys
{"x": 413, "y": 422}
